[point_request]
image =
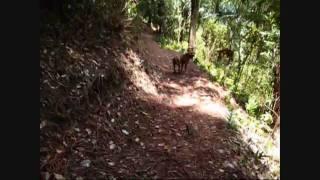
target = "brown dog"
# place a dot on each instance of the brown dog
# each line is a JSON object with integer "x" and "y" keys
{"x": 181, "y": 62}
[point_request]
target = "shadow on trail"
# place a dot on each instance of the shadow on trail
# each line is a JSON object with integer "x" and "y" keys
{"x": 182, "y": 133}
{"x": 173, "y": 142}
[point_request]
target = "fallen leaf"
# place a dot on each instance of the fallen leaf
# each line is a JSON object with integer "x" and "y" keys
{"x": 144, "y": 113}
{"x": 125, "y": 132}
{"x": 86, "y": 163}
{"x": 88, "y": 131}
{"x": 94, "y": 141}
{"x": 111, "y": 163}
{"x": 43, "y": 124}
{"x": 112, "y": 146}
{"x": 228, "y": 164}
{"x": 59, "y": 176}
{"x": 105, "y": 51}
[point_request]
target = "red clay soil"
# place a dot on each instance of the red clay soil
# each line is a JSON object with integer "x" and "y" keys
{"x": 178, "y": 132}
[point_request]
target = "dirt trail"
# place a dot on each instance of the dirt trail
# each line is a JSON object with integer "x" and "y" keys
{"x": 187, "y": 133}
{"x": 165, "y": 126}
{"x": 191, "y": 89}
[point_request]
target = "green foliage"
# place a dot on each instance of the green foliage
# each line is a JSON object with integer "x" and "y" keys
{"x": 132, "y": 9}
{"x": 171, "y": 44}
{"x": 266, "y": 117}
{"x": 251, "y": 29}
{"x": 171, "y": 16}
{"x": 252, "y": 105}
{"x": 214, "y": 33}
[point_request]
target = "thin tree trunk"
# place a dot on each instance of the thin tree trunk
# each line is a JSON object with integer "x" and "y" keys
{"x": 193, "y": 24}
{"x": 216, "y": 7}
{"x": 181, "y": 31}
{"x": 241, "y": 67}
{"x": 276, "y": 94}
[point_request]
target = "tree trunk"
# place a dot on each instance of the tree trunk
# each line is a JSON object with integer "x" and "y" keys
{"x": 241, "y": 66}
{"x": 181, "y": 31}
{"x": 216, "y": 7}
{"x": 276, "y": 96}
{"x": 185, "y": 16}
{"x": 161, "y": 14}
{"x": 193, "y": 24}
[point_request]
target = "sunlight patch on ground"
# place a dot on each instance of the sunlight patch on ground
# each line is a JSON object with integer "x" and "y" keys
{"x": 140, "y": 78}
{"x": 204, "y": 105}
{"x": 198, "y": 94}
{"x": 185, "y": 100}
{"x": 172, "y": 85}
{"x": 213, "y": 109}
